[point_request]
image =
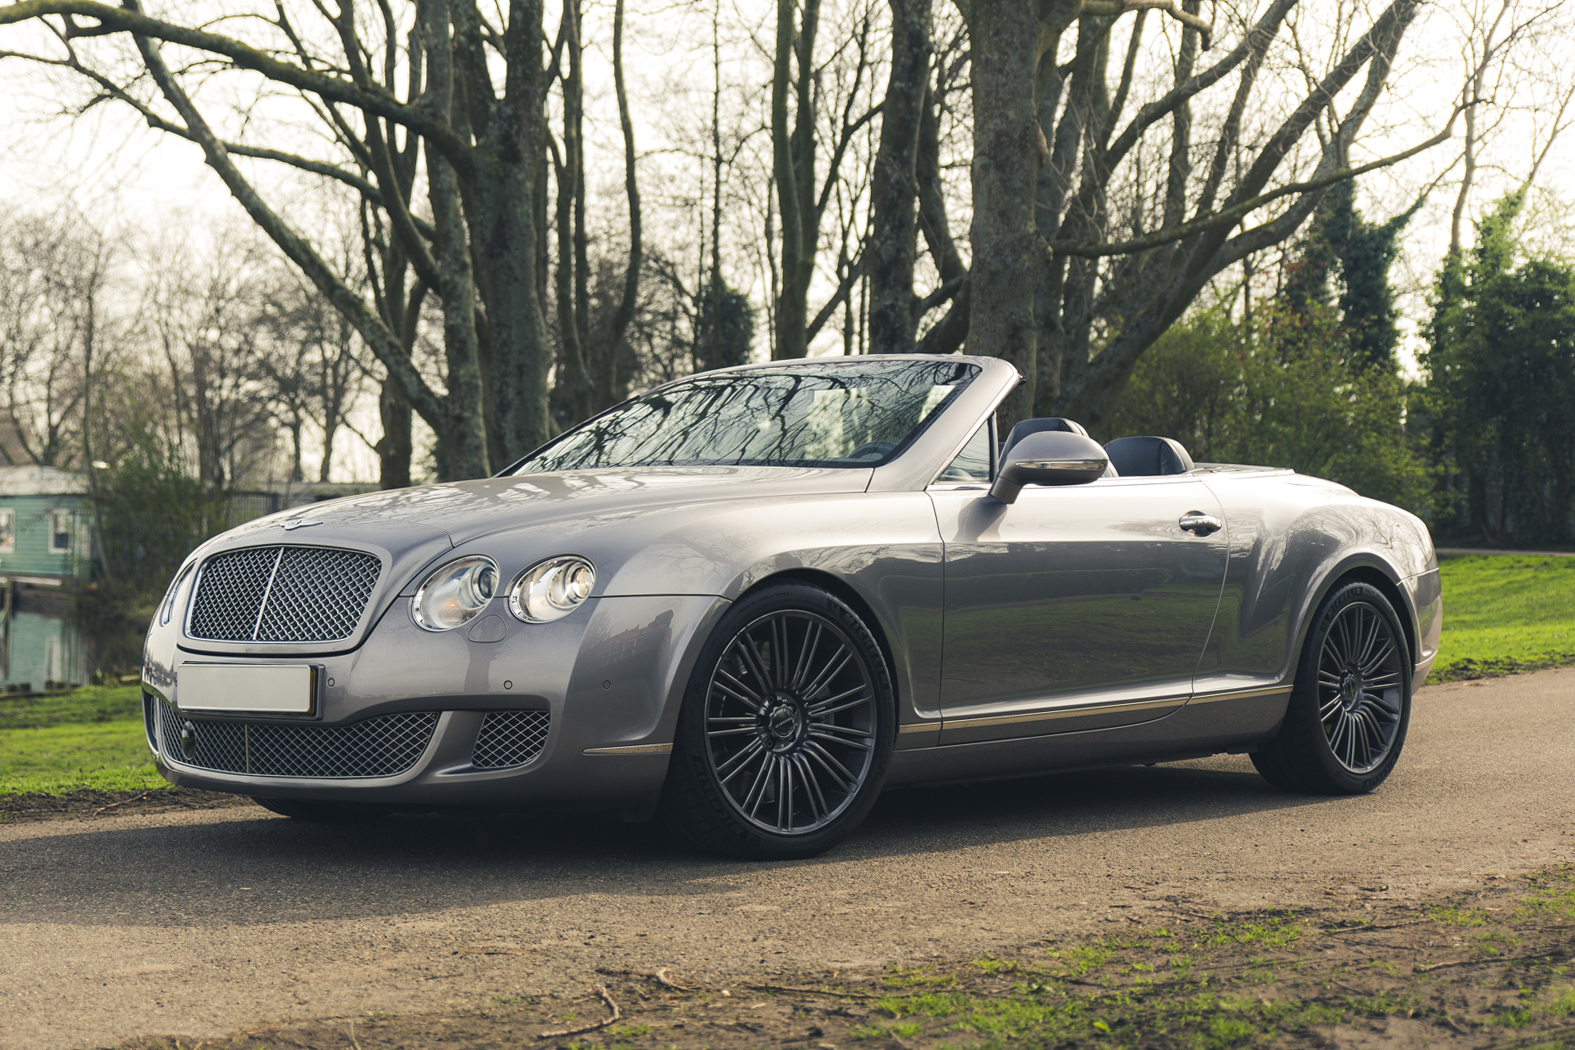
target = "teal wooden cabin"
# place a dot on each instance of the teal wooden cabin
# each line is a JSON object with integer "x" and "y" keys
{"x": 44, "y": 526}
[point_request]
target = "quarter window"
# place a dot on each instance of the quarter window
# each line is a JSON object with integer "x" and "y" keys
{"x": 60, "y": 529}
{"x": 973, "y": 462}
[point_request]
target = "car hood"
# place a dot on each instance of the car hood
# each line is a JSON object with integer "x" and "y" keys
{"x": 408, "y": 529}
{"x": 462, "y": 511}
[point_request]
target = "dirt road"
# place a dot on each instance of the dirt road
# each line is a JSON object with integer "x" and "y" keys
{"x": 205, "y": 922}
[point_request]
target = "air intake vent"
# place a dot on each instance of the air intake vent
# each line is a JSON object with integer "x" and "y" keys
{"x": 375, "y": 747}
{"x": 283, "y": 594}
{"x": 510, "y": 738}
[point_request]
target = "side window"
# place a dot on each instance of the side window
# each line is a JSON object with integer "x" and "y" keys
{"x": 7, "y": 530}
{"x": 60, "y": 522}
{"x": 973, "y": 462}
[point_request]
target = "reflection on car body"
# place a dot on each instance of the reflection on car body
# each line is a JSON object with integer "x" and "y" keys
{"x": 748, "y": 601}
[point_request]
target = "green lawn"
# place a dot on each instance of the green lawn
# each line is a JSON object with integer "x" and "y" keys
{"x": 1505, "y": 613}
{"x": 88, "y": 739}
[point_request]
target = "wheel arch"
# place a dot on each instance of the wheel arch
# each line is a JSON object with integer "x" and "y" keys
{"x": 850, "y": 595}
{"x": 1359, "y": 568}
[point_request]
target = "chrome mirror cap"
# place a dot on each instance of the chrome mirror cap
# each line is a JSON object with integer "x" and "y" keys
{"x": 1049, "y": 457}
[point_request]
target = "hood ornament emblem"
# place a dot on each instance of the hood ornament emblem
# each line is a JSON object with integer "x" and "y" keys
{"x": 291, "y": 524}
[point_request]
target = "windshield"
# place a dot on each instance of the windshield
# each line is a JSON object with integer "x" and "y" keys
{"x": 844, "y": 414}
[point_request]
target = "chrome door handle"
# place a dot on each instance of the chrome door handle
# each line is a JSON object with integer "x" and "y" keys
{"x": 1200, "y": 524}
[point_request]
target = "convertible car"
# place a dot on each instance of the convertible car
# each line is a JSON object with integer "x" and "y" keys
{"x": 749, "y": 600}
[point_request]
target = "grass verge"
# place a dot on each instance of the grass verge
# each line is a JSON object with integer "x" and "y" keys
{"x": 1505, "y": 614}
{"x": 1488, "y": 968}
{"x": 89, "y": 740}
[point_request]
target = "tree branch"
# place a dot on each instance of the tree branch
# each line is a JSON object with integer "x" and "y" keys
{"x": 334, "y": 89}
{"x": 1236, "y": 212}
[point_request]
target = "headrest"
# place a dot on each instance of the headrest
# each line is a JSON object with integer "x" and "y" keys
{"x": 1035, "y": 426}
{"x": 1146, "y": 457}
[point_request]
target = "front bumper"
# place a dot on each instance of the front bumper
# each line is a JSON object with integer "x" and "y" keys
{"x": 1426, "y": 596}
{"x": 604, "y": 683}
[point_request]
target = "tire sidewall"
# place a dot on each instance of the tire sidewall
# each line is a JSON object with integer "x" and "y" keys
{"x": 1305, "y": 698}
{"x": 691, "y": 784}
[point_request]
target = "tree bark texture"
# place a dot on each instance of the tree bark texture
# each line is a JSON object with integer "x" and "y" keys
{"x": 893, "y": 308}
{"x": 1006, "y": 160}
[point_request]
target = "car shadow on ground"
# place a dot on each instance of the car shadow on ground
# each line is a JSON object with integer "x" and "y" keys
{"x": 240, "y": 869}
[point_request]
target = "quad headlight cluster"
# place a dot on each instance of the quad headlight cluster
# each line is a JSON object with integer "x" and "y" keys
{"x": 547, "y": 591}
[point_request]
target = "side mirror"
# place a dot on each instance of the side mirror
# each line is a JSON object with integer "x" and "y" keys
{"x": 1050, "y": 457}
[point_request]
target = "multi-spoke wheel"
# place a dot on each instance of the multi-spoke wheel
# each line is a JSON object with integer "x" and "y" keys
{"x": 1347, "y": 716}
{"x": 786, "y": 728}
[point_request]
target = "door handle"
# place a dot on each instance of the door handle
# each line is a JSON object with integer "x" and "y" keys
{"x": 1200, "y": 524}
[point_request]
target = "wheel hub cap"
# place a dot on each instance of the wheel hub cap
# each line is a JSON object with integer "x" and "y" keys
{"x": 782, "y": 723}
{"x": 1351, "y": 689}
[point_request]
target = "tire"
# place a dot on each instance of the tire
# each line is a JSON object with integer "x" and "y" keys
{"x": 1347, "y": 717}
{"x": 321, "y": 812}
{"x": 778, "y": 758}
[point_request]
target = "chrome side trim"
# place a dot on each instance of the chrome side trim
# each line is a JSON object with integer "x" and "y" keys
{"x": 1242, "y": 694}
{"x": 632, "y": 749}
{"x": 1064, "y": 712}
{"x": 918, "y": 727}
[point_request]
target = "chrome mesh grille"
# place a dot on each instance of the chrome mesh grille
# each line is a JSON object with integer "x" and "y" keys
{"x": 283, "y": 594}
{"x": 510, "y": 738}
{"x": 384, "y": 746}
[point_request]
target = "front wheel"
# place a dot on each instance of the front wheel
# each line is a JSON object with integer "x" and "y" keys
{"x": 786, "y": 729}
{"x": 1346, "y": 721}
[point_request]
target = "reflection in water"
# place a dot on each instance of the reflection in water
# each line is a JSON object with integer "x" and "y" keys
{"x": 43, "y": 651}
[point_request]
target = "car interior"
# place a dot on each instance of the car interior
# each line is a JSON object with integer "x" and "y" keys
{"x": 1130, "y": 457}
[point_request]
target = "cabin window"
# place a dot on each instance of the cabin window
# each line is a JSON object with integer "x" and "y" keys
{"x": 7, "y": 530}
{"x": 973, "y": 462}
{"x": 60, "y": 529}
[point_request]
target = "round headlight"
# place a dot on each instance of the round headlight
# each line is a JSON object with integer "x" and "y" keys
{"x": 552, "y": 589}
{"x": 455, "y": 593}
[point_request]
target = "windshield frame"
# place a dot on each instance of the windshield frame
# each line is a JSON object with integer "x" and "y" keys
{"x": 861, "y": 362}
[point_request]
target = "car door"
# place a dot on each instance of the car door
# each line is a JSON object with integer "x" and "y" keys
{"x": 1076, "y": 607}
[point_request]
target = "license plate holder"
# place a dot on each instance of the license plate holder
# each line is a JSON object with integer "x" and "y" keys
{"x": 250, "y": 688}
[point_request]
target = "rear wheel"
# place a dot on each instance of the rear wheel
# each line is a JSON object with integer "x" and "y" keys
{"x": 321, "y": 812}
{"x": 1347, "y": 717}
{"x": 786, "y": 729}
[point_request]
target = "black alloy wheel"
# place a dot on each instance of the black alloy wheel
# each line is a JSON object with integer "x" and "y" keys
{"x": 786, "y": 729}
{"x": 1347, "y": 718}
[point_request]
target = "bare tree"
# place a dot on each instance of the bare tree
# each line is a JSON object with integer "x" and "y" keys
{"x": 1081, "y": 255}
{"x": 203, "y": 312}
{"x": 438, "y": 82}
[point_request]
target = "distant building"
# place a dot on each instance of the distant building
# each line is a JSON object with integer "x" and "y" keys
{"x": 45, "y": 515}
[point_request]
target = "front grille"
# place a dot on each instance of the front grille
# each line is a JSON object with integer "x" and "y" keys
{"x": 510, "y": 738}
{"x": 384, "y": 746}
{"x": 283, "y": 594}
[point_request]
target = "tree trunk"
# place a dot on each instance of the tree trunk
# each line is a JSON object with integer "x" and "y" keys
{"x": 793, "y": 169}
{"x": 893, "y": 316}
{"x": 1006, "y": 157}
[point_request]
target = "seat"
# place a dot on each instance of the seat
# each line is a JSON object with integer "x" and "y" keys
{"x": 1147, "y": 457}
{"x": 1035, "y": 426}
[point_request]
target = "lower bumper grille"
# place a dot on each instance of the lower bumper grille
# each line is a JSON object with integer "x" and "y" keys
{"x": 384, "y": 746}
{"x": 510, "y": 738}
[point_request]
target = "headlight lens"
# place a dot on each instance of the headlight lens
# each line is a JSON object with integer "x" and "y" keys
{"x": 455, "y": 593}
{"x": 552, "y": 589}
{"x": 167, "y": 607}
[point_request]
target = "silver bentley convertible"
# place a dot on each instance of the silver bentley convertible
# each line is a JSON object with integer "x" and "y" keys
{"x": 749, "y": 600}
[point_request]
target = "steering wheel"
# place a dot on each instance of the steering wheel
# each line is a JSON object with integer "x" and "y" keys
{"x": 872, "y": 450}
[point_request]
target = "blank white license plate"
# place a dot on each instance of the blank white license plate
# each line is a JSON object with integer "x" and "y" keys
{"x": 280, "y": 689}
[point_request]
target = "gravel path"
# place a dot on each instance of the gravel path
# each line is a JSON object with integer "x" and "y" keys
{"x": 204, "y": 922}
